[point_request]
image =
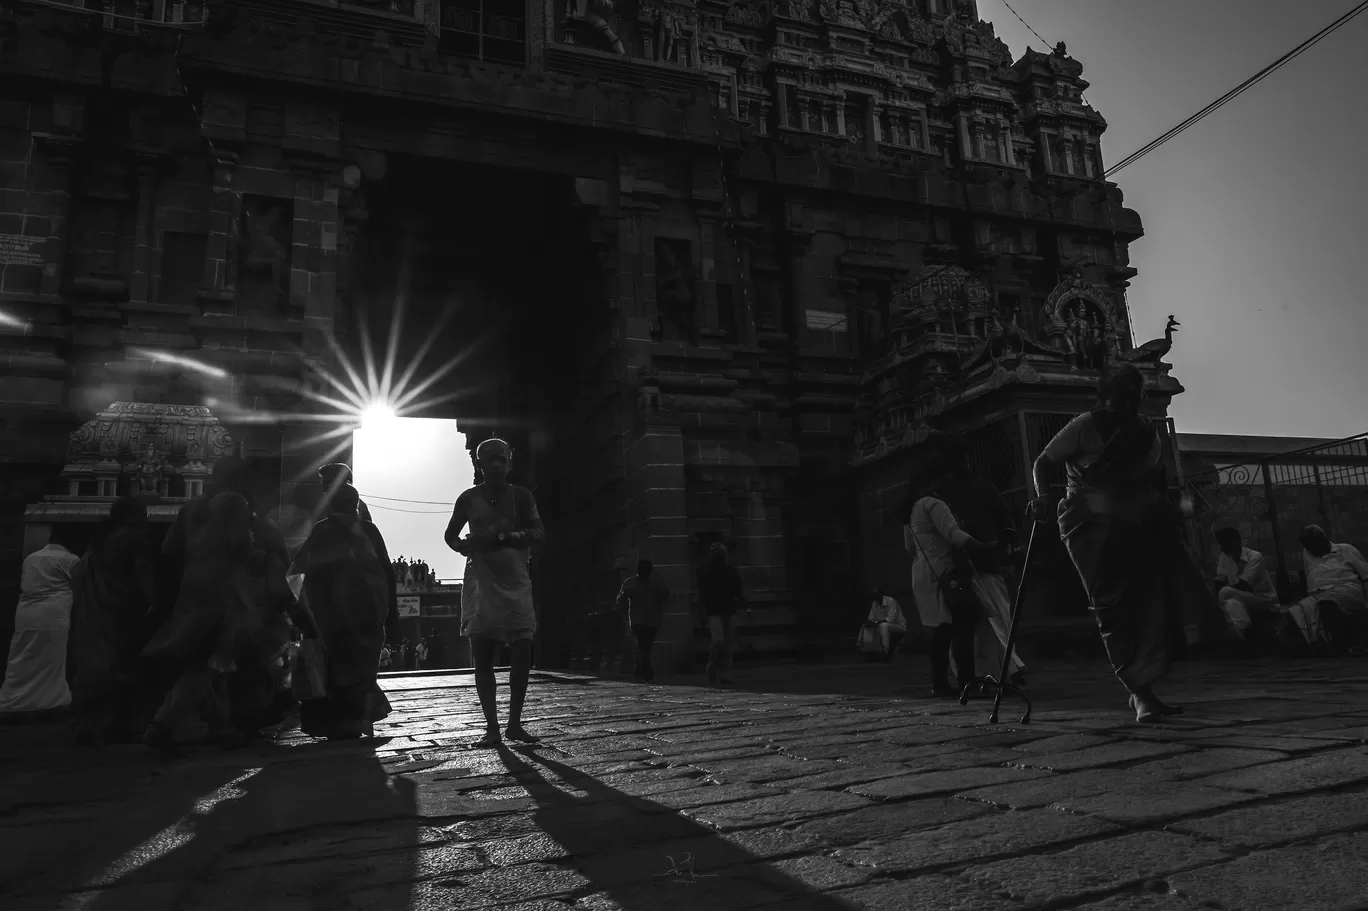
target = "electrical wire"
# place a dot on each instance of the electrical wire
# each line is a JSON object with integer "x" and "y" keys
{"x": 1027, "y": 24}
{"x": 412, "y": 512}
{"x": 1239, "y": 89}
{"x": 368, "y": 497}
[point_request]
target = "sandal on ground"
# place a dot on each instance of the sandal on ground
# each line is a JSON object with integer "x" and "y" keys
{"x": 1145, "y": 709}
{"x": 516, "y": 732}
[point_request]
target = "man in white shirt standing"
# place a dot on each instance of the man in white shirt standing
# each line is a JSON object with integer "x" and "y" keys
{"x": 1336, "y": 575}
{"x": 1246, "y": 588}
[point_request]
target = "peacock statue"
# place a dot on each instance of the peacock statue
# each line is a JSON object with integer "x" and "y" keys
{"x": 1154, "y": 350}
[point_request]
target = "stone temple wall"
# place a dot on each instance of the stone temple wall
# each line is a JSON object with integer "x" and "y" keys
{"x": 806, "y": 232}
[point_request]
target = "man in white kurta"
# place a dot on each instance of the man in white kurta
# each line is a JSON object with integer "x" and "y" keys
{"x": 1336, "y": 575}
{"x": 35, "y": 678}
{"x": 1246, "y": 588}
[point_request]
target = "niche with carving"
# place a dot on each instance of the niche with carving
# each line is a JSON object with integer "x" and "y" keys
{"x": 675, "y": 288}
{"x": 264, "y": 254}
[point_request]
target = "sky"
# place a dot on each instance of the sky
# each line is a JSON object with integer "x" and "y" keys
{"x": 1254, "y": 218}
{"x": 405, "y": 459}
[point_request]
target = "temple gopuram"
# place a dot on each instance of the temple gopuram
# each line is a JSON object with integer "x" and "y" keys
{"x": 715, "y": 268}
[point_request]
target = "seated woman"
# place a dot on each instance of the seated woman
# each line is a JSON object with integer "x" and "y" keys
{"x": 886, "y": 616}
{"x": 347, "y": 583}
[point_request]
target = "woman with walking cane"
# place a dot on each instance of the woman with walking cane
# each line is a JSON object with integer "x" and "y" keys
{"x": 1121, "y": 535}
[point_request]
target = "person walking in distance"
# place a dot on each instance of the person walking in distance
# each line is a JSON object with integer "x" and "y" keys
{"x": 496, "y": 598}
{"x": 720, "y": 595}
{"x": 643, "y": 595}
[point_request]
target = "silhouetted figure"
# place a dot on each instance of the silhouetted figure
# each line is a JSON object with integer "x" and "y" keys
{"x": 113, "y": 597}
{"x": 496, "y": 600}
{"x": 348, "y": 590}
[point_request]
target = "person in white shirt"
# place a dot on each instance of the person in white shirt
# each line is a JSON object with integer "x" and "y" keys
{"x": 886, "y": 617}
{"x": 421, "y": 652}
{"x": 35, "y": 678}
{"x": 1246, "y": 590}
{"x": 1336, "y": 575}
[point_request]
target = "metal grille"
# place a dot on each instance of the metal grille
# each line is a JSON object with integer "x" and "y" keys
{"x": 1270, "y": 501}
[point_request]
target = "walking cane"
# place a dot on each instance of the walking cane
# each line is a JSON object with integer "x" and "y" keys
{"x": 1001, "y": 683}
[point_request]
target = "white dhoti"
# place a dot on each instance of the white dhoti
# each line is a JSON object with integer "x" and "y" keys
{"x": 1306, "y": 612}
{"x": 1237, "y": 605}
{"x": 35, "y": 678}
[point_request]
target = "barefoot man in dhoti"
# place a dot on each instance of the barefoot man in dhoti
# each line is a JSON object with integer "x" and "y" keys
{"x": 496, "y": 600}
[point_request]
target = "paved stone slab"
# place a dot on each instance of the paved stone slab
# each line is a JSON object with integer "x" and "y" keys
{"x": 948, "y": 782}
{"x": 763, "y": 769}
{"x": 1095, "y": 756}
{"x": 1284, "y": 821}
{"x": 1330, "y": 874}
{"x": 973, "y": 840}
{"x": 1324, "y": 770}
{"x": 1095, "y": 868}
{"x": 1198, "y": 763}
{"x": 991, "y": 835}
{"x": 882, "y": 822}
{"x": 926, "y": 893}
{"x": 782, "y": 808}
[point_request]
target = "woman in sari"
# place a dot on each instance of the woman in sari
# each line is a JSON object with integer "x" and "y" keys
{"x": 1116, "y": 525}
{"x": 113, "y": 598}
{"x": 942, "y": 576}
{"x": 347, "y": 584}
{"x": 212, "y": 614}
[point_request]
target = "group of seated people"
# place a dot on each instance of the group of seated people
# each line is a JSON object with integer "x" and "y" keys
{"x": 1333, "y": 615}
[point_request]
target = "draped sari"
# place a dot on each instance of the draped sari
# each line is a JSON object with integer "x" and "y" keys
{"x": 1119, "y": 532}
{"x": 347, "y": 584}
{"x": 113, "y": 597}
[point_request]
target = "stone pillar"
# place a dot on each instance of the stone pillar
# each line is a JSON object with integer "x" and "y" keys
{"x": 60, "y": 156}
{"x": 143, "y": 241}
{"x": 966, "y": 145}
{"x": 219, "y": 289}
{"x": 655, "y": 491}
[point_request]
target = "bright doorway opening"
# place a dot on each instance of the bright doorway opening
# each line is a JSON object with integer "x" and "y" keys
{"x": 409, "y": 472}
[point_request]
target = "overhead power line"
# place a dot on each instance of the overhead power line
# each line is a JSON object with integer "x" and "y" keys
{"x": 1027, "y": 24}
{"x": 1239, "y": 89}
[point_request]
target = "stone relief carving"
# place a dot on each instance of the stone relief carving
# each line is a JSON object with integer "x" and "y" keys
{"x": 264, "y": 271}
{"x": 594, "y": 13}
{"x": 675, "y": 288}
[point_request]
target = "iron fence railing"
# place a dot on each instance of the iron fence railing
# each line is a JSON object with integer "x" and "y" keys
{"x": 1270, "y": 500}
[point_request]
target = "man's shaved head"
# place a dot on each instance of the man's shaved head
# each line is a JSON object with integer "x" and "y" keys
{"x": 490, "y": 446}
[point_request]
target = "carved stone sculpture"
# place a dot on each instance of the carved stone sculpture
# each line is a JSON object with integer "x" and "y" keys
{"x": 150, "y": 472}
{"x": 591, "y": 13}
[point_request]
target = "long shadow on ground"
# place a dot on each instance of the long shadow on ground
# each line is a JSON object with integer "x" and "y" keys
{"x": 645, "y": 856}
{"x": 277, "y": 827}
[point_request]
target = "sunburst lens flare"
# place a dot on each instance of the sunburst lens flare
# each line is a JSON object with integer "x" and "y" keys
{"x": 377, "y": 413}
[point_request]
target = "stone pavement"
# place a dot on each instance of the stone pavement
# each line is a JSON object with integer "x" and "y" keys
{"x": 803, "y": 788}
